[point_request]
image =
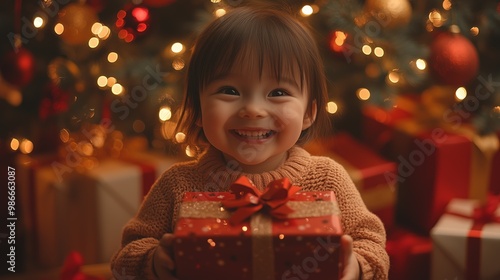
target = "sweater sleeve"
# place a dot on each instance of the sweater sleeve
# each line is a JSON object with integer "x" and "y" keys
{"x": 141, "y": 234}
{"x": 366, "y": 229}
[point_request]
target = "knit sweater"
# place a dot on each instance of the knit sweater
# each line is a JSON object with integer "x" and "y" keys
{"x": 211, "y": 173}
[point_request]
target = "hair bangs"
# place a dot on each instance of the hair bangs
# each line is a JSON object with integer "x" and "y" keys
{"x": 260, "y": 42}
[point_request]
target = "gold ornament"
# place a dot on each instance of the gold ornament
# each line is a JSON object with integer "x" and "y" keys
{"x": 77, "y": 20}
{"x": 388, "y": 13}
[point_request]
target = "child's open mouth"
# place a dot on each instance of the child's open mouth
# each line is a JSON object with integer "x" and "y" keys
{"x": 252, "y": 135}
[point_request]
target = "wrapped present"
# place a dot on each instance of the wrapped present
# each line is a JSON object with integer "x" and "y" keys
{"x": 409, "y": 254}
{"x": 435, "y": 161}
{"x": 72, "y": 268}
{"x": 246, "y": 234}
{"x": 466, "y": 240}
{"x": 377, "y": 126}
{"x": 83, "y": 211}
{"x": 371, "y": 173}
{"x": 495, "y": 176}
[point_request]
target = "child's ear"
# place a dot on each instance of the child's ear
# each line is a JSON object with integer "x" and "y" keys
{"x": 310, "y": 116}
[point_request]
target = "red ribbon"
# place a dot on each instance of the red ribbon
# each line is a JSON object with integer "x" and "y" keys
{"x": 71, "y": 269}
{"x": 483, "y": 214}
{"x": 249, "y": 200}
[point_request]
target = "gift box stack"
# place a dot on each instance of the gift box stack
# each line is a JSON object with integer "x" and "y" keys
{"x": 447, "y": 189}
{"x": 282, "y": 233}
{"x": 371, "y": 173}
{"x": 374, "y": 176}
{"x": 66, "y": 209}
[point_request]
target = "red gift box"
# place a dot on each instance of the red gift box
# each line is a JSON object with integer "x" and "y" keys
{"x": 495, "y": 176}
{"x": 409, "y": 254}
{"x": 435, "y": 163}
{"x": 370, "y": 172}
{"x": 305, "y": 244}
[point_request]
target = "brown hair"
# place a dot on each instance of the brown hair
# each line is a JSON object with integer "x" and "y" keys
{"x": 274, "y": 37}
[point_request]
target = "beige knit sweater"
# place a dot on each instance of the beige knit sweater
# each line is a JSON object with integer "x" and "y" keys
{"x": 210, "y": 172}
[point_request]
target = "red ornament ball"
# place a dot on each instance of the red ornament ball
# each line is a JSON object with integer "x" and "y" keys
{"x": 337, "y": 41}
{"x": 54, "y": 102}
{"x": 133, "y": 22}
{"x": 453, "y": 59}
{"x": 17, "y": 67}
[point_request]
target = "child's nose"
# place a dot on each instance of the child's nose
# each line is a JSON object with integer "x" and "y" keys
{"x": 252, "y": 109}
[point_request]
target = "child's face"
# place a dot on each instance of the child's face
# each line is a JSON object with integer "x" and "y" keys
{"x": 255, "y": 119}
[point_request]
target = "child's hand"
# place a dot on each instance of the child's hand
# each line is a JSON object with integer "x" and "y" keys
{"x": 351, "y": 265}
{"x": 163, "y": 263}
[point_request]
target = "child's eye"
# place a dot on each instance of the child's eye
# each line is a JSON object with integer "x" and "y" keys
{"x": 278, "y": 92}
{"x": 229, "y": 90}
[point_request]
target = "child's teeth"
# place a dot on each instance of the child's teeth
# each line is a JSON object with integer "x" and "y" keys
{"x": 253, "y": 134}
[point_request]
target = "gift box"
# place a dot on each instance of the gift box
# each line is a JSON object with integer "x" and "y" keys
{"x": 371, "y": 173}
{"x": 466, "y": 241}
{"x": 211, "y": 239}
{"x": 409, "y": 254}
{"x": 82, "y": 211}
{"x": 495, "y": 176}
{"x": 435, "y": 162}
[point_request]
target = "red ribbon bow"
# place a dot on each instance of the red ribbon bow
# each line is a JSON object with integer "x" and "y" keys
{"x": 249, "y": 200}
{"x": 484, "y": 213}
{"x": 481, "y": 215}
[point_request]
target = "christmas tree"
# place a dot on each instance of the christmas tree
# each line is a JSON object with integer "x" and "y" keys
{"x": 101, "y": 71}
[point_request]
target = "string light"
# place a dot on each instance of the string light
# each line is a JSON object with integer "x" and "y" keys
{"x": 420, "y": 64}
{"x": 178, "y": 64}
{"x": 26, "y": 146}
{"x": 306, "y": 11}
{"x": 96, "y": 28}
{"x": 59, "y": 28}
{"x": 393, "y": 76}
{"x": 378, "y": 51}
{"x": 447, "y": 5}
{"x": 165, "y": 113}
{"x": 112, "y": 57}
{"x": 496, "y": 111}
{"x": 93, "y": 42}
{"x": 460, "y": 93}
{"x": 111, "y": 81}
{"x": 117, "y": 89}
{"x": 367, "y": 50}
{"x": 102, "y": 81}
{"x": 38, "y": 22}
{"x": 190, "y": 152}
{"x": 85, "y": 148}
{"x": 14, "y": 144}
{"x": 331, "y": 107}
{"x": 177, "y": 47}
{"x": 104, "y": 33}
{"x": 220, "y": 12}
{"x": 180, "y": 137}
{"x": 363, "y": 94}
